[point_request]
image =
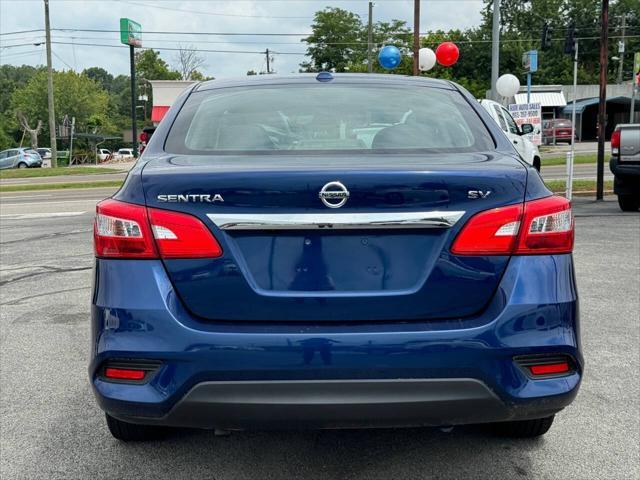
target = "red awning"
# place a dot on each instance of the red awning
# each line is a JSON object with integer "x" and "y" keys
{"x": 157, "y": 113}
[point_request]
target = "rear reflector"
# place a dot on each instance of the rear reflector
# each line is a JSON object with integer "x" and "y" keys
{"x": 541, "y": 226}
{"x": 124, "y": 230}
{"x": 549, "y": 368}
{"x": 124, "y": 374}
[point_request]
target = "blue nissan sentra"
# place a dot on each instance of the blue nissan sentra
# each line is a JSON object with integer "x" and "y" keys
{"x": 332, "y": 251}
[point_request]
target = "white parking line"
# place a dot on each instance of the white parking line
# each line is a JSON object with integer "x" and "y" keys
{"x": 25, "y": 216}
{"x": 24, "y": 196}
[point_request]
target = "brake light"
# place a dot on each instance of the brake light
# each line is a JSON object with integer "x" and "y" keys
{"x": 179, "y": 235}
{"x": 541, "y": 226}
{"x": 615, "y": 142}
{"x": 124, "y": 230}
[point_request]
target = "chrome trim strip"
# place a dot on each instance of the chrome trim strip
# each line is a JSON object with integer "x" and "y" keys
{"x": 334, "y": 221}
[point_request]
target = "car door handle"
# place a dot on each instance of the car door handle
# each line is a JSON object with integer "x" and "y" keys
{"x": 515, "y": 141}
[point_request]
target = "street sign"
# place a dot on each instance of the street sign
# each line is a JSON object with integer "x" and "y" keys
{"x": 130, "y": 32}
{"x": 530, "y": 61}
{"x": 636, "y": 68}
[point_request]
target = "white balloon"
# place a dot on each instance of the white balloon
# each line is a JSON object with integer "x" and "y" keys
{"x": 426, "y": 59}
{"x": 508, "y": 85}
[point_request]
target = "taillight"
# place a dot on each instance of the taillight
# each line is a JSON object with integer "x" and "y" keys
{"x": 492, "y": 232}
{"x": 615, "y": 142}
{"x": 179, "y": 235}
{"x": 548, "y": 227}
{"x": 124, "y": 230}
{"x": 537, "y": 227}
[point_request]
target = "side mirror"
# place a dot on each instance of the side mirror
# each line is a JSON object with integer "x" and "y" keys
{"x": 526, "y": 128}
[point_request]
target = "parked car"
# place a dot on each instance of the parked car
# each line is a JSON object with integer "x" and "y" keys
{"x": 527, "y": 149}
{"x": 331, "y": 251}
{"x": 124, "y": 154}
{"x": 558, "y": 129}
{"x": 104, "y": 154}
{"x": 44, "y": 153}
{"x": 625, "y": 165}
{"x": 20, "y": 158}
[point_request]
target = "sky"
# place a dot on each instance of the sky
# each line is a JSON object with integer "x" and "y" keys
{"x": 292, "y": 17}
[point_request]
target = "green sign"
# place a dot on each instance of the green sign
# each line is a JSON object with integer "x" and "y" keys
{"x": 130, "y": 32}
{"x": 636, "y": 67}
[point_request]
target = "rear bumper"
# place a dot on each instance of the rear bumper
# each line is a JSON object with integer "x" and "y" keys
{"x": 239, "y": 375}
{"x": 343, "y": 404}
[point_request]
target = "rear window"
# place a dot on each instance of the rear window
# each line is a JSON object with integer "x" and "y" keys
{"x": 357, "y": 118}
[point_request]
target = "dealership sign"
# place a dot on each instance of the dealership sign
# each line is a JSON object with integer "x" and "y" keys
{"x": 529, "y": 113}
{"x": 130, "y": 32}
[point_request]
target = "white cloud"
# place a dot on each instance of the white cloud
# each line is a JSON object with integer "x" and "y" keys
{"x": 196, "y": 16}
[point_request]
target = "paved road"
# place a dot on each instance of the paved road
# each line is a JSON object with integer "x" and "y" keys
{"x": 51, "y": 428}
{"x": 581, "y": 171}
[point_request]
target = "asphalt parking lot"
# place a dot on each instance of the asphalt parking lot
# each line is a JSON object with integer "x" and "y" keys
{"x": 50, "y": 426}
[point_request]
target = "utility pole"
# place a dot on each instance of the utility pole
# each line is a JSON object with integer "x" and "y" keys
{"x": 621, "y": 51}
{"x": 571, "y": 157}
{"x": 134, "y": 111}
{"x": 370, "y": 40}
{"x": 495, "y": 49}
{"x": 416, "y": 36}
{"x": 602, "y": 106}
{"x": 52, "y": 115}
{"x": 268, "y": 60}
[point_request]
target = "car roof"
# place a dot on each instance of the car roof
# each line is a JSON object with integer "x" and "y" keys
{"x": 338, "y": 78}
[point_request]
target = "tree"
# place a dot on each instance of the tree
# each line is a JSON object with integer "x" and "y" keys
{"x": 33, "y": 132}
{"x": 76, "y": 95}
{"x": 252, "y": 72}
{"x": 150, "y": 66}
{"x": 336, "y": 42}
{"x": 100, "y": 75}
{"x": 189, "y": 62}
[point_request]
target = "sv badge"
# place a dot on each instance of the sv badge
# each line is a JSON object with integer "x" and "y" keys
{"x": 478, "y": 193}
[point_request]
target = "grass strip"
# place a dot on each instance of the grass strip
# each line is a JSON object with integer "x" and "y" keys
{"x": 60, "y": 186}
{"x": 55, "y": 172}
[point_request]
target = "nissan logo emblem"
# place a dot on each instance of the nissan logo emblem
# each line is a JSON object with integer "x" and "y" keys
{"x": 334, "y": 194}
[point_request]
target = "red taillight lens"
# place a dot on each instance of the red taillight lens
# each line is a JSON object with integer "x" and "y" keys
{"x": 492, "y": 232}
{"x": 122, "y": 230}
{"x": 179, "y": 235}
{"x": 548, "y": 227}
{"x": 615, "y": 142}
{"x": 539, "y": 227}
{"x": 124, "y": 373}
{"x": 549, "y": 368}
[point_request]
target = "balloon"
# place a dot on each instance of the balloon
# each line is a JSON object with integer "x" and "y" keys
{"x": 447, "y": 54}
{"x": 507, "y": 85}
{"x": 389, "y": 57}
{"x": 426, "y": 59}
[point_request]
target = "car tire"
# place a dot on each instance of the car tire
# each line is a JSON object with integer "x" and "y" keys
{"x": 131, "y": 432}
{"x": 524, "y": 428}
{"x": 22, "y": 165}
{"x": 629, "y": 203}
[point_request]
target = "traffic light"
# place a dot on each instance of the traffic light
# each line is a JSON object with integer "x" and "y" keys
{"x": 570, "y": 42}
{"x": 546, "y": 36}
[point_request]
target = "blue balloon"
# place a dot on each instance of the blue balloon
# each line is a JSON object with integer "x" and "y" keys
{"x": 389, "y": 57}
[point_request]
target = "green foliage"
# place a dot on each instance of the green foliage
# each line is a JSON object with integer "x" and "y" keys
{"x": 336, "y": 42}
{"x": 339, "y": 42}
{"x": 150, "y": 66}
{"x": 75, "y": 95}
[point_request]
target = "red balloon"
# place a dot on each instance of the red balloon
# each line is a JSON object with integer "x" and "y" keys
{"x": 447, "y": 54}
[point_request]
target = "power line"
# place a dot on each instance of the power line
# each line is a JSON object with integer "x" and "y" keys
{"x": 216, "y": 14}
